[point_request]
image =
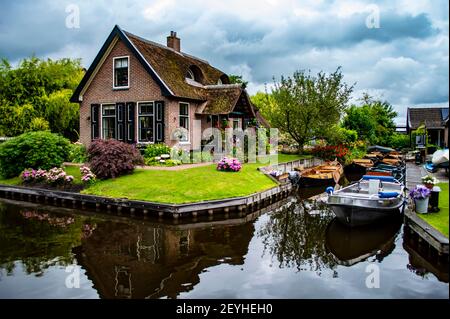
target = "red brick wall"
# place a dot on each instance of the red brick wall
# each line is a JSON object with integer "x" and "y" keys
{"x": 142, "y": 88}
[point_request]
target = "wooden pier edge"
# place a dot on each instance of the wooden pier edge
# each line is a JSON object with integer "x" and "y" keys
{"x": 55, "y": 197}
{"x": 427, "y": 232}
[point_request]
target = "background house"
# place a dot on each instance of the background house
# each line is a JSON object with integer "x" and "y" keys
{"x": 434, "y": 119}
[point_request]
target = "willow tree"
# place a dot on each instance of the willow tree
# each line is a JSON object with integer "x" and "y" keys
{"x": 305, "y": 106}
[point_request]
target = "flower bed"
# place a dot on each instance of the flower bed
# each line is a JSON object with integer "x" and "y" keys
{"x": 229, "y": 165}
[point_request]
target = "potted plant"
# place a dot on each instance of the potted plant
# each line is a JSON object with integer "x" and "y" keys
{"x": 429, "y": 181}
{"x": 421, "y": 196}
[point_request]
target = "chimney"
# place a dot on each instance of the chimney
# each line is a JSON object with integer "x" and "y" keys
{"x": 173, "y": 42}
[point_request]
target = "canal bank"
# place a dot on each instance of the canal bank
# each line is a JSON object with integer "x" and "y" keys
{"x": 426, "y": 236}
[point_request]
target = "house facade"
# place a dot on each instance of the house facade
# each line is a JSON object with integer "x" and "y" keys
{"x": 434, "y": 119}
{"x": 138, "y": 91}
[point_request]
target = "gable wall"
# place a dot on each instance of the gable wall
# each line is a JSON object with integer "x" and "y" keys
{"x": 142, "y": 88}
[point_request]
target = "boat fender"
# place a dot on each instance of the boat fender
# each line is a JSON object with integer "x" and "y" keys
{"x": 330, "y": 190}
{"x": 388, "y": 194}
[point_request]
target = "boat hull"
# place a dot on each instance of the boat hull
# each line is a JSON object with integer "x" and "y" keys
{"x": 316, "y": 182}
{"x": 358, "y": 216}
{"x": 355, "y": 169}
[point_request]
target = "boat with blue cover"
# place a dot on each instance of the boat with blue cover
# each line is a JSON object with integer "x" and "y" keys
{"x": 367, "y": 201}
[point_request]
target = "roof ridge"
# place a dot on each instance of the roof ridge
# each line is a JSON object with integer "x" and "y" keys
{"x": 162, "y": 46}
{"x": 223, "y": 86}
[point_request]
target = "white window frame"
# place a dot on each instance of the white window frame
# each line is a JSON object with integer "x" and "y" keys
{"x": 101, "y": 119}
{"x": 189, "y": 121}
{"x": 138, "y": 123}
{"x": 114, "y": 72}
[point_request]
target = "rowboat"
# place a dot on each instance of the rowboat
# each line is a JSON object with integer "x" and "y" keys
{"x": 371, "y": 199}
{"x": 327, "y": 174}
{"x": 358, "y": 166}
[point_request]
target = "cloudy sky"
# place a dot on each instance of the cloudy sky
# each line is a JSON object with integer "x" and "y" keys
{"x": 402, "y": 57}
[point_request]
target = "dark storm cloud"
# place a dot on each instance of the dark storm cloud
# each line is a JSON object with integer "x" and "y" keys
{"x": 405, "y": 60}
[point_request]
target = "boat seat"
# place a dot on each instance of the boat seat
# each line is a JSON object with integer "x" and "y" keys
{"x": 380, "y": 178}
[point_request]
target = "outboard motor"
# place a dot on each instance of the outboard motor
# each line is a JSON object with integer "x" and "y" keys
{"x": 294, "y": 177}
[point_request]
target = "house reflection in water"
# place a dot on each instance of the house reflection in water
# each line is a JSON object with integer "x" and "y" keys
{"x": 144, "y": 260}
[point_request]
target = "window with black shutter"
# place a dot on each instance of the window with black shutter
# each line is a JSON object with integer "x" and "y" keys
{"x": 120, "y": 107}
{"x": 130, "y": 122}
{"x": 95, "y": 128}
{"x": 159, "y": 121}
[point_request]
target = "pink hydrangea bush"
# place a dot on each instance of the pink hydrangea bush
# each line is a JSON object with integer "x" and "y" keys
{"x": 55, "y": 176}
{"x": 86, "y": 175}
{"x": 229, "y": 165}
{"x": 28, "y": 175}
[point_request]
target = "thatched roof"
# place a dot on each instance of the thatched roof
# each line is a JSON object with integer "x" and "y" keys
{"x": 172, "y": 67}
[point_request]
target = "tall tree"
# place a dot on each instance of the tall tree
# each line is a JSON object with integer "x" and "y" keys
{"x": 237, "y": 79}
{"x": 39, "y": 89}
{"x": 373, "y": 120}
{"x": 306, "y": 106}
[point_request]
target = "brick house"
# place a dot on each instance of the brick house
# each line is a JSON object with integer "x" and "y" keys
{"x": 434, "y": 119}
{"x": 138, "y": 91}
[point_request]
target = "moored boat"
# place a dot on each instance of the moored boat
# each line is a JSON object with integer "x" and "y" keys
{"x": 371, "y": 199}
{"x": 323, "y": 175}
{"x": 358, "y": 166}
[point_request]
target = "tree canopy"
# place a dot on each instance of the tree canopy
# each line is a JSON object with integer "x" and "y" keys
{"x": 373, "y": 120}
{"x": 35, "y": 95}
{"x": 306, "y": 106}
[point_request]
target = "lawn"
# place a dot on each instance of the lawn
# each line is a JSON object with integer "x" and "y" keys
{"x": 191, "y": 185}
{"x": 440, "y": 220}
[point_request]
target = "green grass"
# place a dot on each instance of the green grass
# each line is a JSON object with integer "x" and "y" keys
{"x": 184, "y": 186}
{"x": 10, "y": 181}
{"x": 439, "y": 220}
{"x": 191, "y": 185}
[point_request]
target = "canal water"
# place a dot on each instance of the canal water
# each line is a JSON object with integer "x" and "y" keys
{"x": 292, "y": 249}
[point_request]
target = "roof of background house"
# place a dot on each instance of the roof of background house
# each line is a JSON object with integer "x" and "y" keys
{"x": 168, "y": 68}
{"x": 432, "y": 117}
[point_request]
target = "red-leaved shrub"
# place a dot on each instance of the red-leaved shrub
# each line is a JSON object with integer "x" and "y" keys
{"x": 111, "y": 158}
{"x": 330, "y": 152}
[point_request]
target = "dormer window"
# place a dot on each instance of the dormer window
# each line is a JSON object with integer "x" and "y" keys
{"x": 121, "y": 72}
{"x": 194, "y": 75}
{"x": 190, "y": 75}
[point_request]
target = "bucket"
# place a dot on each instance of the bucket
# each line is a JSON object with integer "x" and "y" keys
{"x": 422, "y": 205}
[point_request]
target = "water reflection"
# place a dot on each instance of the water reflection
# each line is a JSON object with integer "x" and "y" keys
{"x": 135, "y": 258}
{"x": 294, "y": 236}
{"x": 140, "y": 260}
{"x": 351, "y": 245}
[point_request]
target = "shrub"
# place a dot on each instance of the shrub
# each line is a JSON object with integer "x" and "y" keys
{"x": 330, "y": 152}
{"x": 42, "y": 150}
{"x": 199, "y": 157}
{"x": 55, "y": 176}
{"x": 154, "y": 150}
{"x": 77, "y": 153}
{"x": 86, "y": 175}
{"x": 111, "y": 158}
{"x": 229, "y": 165}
